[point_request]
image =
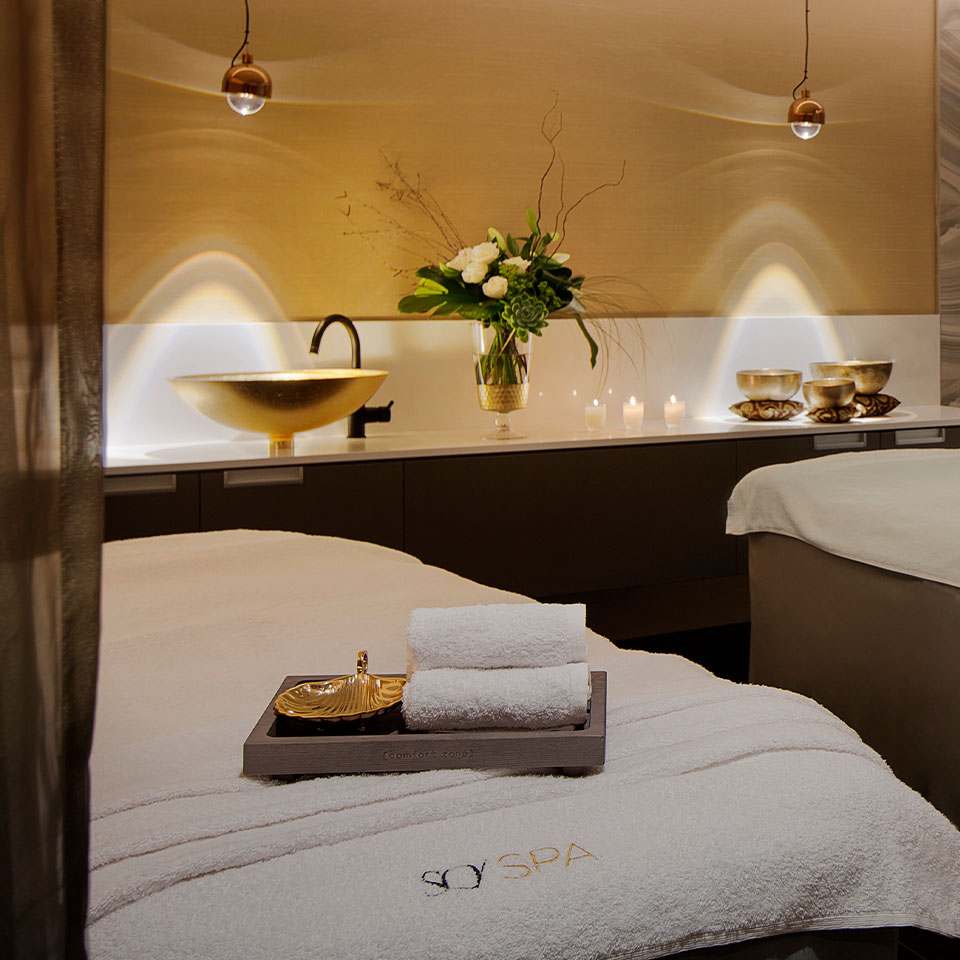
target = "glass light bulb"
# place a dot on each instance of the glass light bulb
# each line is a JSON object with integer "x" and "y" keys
{"x": 806, "y": 131}
{"x": 245, "y": 103}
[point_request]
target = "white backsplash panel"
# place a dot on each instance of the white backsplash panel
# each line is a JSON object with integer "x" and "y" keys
{"x": 431, "y": 380}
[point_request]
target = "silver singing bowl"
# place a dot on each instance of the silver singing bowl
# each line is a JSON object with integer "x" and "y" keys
{"x": 768, "y": 384}
{"x": 869, "y": 376}
{"x": 829, "y": 392}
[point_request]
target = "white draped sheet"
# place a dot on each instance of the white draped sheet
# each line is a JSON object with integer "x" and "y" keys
{"x": 725, "y": 812}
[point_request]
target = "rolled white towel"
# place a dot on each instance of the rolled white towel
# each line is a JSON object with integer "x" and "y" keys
{"x": 531, "y": 698}
{"x": 496, "y": 635}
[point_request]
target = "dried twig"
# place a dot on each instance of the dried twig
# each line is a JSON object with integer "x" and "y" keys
{"x": 589, "y": 193}
{"x": 551, "y": 139}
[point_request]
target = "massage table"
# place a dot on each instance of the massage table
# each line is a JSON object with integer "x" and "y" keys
{"x": 854, "y": 566}
{"x": 730, "y": 822}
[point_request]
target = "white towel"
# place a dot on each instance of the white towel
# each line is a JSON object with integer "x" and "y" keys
{"x": 532, "y": 698}
{"x": 497, "y": 635}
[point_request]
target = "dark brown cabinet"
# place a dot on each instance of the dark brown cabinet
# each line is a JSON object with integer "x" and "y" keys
{"x": 151, "y": 504}
{"x": 360, "y": 501}
{"x": 765, "y": 451}
{"x": 635, "y": 531}
{"x": 921, "y": 438}
{"x": 573, "y": 521}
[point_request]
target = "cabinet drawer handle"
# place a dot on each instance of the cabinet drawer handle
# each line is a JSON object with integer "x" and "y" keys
{"x": 140, "y": 483}
{"x": 263, "y": 477}
{"x": 921, "y": 437}
{"x": 840, "y": 441}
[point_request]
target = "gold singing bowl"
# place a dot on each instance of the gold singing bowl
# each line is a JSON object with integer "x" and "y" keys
{"x": 356, "y": 697}
{"x": 829, "y": 392}
{"x": 279, "y": 404}
{"x": 869, "y": 376}
{"x": 768, "y": 384}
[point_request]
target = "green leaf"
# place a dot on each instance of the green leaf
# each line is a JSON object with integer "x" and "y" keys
{"x": 446, "y": 308}
{"x": 497, "y": 237}
{"x": 594, "y": 349}
{"x": 512, "y": 245}
{"x": 426, "y": 287}
{"x": 532, "y": 222}
{"x": 448, "y": 271}
{"x": 431, "y": 273}
{"x": 415, "y": 304}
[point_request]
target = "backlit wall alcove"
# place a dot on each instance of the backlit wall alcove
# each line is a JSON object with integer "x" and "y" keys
{"x": 691, "y": 96}
{"x": 721, "y": 214}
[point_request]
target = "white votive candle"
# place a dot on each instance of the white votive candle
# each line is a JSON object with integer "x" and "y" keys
{"x": 673, "y": 410}
{"x": 595, "y": 415}
{"x": 633, "y": 414}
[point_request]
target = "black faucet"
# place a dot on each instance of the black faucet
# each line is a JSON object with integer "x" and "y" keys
{"x": 358, "y": 420}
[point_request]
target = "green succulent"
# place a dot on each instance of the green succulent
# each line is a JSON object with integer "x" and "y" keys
{"x": 526, "y": 313}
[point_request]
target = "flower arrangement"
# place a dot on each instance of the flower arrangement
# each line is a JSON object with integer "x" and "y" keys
{"x": 510, "y": 284}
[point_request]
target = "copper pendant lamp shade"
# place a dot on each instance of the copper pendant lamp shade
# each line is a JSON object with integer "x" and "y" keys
{"x": 806, "y": 116}
{"x": 246, "y": 85}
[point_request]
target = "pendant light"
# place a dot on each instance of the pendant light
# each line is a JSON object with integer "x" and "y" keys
{"x": 805, "y": 116}
{"x": 246, "y": 85}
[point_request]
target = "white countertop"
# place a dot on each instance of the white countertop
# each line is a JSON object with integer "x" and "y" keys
{"x": 385, "y": 445}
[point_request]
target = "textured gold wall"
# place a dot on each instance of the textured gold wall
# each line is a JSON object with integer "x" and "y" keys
{"x": 692, "y": 95}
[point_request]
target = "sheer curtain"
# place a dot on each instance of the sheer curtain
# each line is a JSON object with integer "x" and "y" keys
{"x": 51, "y": 198}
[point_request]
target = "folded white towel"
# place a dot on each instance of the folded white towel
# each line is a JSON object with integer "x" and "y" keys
{"x": 532, "y": 698}
{"x": 497, "y": 635}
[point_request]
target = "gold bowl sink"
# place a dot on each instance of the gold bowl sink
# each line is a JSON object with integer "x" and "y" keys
{"x": 280, "y": 403}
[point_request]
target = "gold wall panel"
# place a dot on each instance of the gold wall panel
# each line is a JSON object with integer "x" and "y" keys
{"x": 718, "y": 196}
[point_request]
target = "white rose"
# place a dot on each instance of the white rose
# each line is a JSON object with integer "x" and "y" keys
{"x": 474, "y": 272}
{"x": 460, "y": 260}
{"x": 495, "y": 287}
{"x": 485, "y": 252}
{"x": 519, "y": 263}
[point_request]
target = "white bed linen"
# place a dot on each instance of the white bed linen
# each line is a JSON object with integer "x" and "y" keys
{"x": 894, "y": 509}
{"x": 725, "y": 812}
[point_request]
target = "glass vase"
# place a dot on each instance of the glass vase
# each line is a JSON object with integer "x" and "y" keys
{"x": 501, "y": 366}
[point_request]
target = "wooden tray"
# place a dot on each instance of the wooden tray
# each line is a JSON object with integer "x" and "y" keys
{"x": 279, "y": 749}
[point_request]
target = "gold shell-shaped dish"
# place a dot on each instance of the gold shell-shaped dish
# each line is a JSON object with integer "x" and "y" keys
{"x": 356, "y": 697}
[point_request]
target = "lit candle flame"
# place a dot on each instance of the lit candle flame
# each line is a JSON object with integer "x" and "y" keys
{"x": 673, "y": 399}
{"x": 596, "y": 402}
{"x": 633, "y": 401}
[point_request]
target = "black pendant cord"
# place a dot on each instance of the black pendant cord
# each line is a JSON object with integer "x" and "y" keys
{"x": 246, "y": 33}
{"x": 806, "y": 48}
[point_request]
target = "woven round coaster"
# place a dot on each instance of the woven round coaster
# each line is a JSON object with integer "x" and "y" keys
{"x": 767, "y": 409}
{"x": 874, "y": 404}
{"x": 833, "y": 414}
